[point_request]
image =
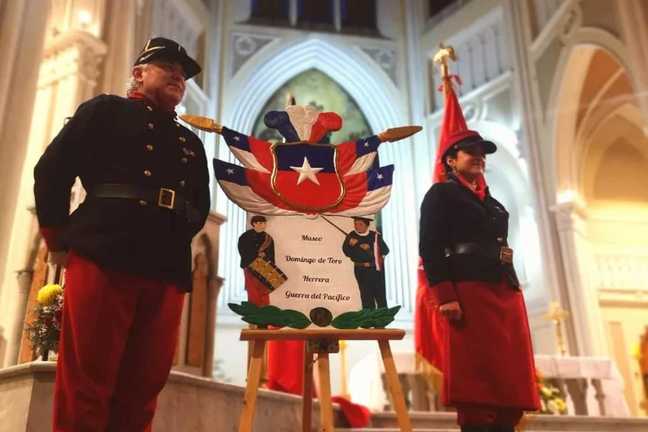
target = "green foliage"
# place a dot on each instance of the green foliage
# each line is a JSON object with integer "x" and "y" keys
{"x": 365, "y": 318}
{"x": 44, "y": 330}
{"x": 552, "y": 400}
{"x": 270, "y": 315}
{"x": 264, "y": 316}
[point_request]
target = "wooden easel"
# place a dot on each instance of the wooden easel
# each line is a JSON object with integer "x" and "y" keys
{"x": 321, "y": 342}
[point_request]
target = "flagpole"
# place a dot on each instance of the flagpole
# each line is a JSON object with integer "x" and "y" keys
{"x": 338, "y": 228}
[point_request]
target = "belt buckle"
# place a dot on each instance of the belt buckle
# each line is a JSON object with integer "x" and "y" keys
{"x": 166, "y": 198}
{"x": 506, "y": 255}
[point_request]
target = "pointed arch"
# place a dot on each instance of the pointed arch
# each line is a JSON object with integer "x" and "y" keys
{"x": 383, "y": 106}
{"x": 279, "y": 62}
{"x": 564, "y": 99}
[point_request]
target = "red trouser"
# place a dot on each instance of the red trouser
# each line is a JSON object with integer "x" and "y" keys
{"x": 117, "y": 345}
{"x": 257, "y": 293}
{"x": 481, "y": 415}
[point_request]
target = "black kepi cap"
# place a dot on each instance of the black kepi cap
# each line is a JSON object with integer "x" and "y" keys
{"x": 367, "y": 219}
{"x": 160, "y": 48}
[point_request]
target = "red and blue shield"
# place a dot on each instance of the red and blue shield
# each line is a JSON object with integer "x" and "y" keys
{"x": 305, "y": 176}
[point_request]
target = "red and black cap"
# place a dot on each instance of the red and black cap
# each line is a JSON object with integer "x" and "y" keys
{"x": 469, "y": 138}
{"x": 160, "y": 48}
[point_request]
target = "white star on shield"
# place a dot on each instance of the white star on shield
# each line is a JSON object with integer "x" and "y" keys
{"x": 306, "y": 172}
{"x": 230, "y": 171}
{"x": 379, "y": 176}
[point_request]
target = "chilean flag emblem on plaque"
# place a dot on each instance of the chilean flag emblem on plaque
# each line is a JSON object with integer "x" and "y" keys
{"x": 305, "y": 176}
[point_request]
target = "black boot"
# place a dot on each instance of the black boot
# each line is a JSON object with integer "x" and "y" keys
{"x": 475, "y": 429}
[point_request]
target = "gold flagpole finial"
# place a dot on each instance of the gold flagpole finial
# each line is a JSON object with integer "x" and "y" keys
{"x": 203, "y": 123}
{"x": 441, "y": 58}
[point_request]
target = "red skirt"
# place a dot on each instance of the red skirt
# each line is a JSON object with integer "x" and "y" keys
{"x": 487, "y": 356}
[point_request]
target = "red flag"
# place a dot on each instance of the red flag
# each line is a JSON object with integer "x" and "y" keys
{"x": 428, "y": 329}
{"x": 453, "y": 127}
{"x": 428, "y": 334}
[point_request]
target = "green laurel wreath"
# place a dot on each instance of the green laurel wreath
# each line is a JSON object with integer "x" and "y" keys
{"x": 264, "y": 316}
{"x": 270, "y": 315}
{"x": 365, "y": 318}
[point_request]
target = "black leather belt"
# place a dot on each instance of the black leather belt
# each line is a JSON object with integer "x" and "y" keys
{"x": 498, "y": 252}
{"x": 162, "y": 197}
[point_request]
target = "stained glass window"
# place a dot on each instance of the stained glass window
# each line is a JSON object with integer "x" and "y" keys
{"x": 314, "y": 87}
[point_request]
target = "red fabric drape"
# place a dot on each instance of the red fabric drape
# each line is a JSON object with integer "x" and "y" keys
{"x": 358, "y": 416}
{"x": 285, "y": 366}
{"x": 285, "y": 373}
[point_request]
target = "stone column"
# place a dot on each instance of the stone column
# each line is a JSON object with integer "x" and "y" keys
{"x": 122, "y": 46}
{"x": 418, "y": 89}
{"x": 517, "y": 17}
{"x": 67, "y": 77}
{"x": 21, "y": 42}
{"x": 580, "y": 272}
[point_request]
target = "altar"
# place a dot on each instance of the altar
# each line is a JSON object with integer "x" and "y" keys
{"x": 592, "y": 385}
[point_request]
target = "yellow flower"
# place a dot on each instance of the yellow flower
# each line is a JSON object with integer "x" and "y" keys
{"x": 553, "y": 407}
{"x": 561, "y": 405}
{"x": 47, "y": 294}
{"x": 546, "y": 391}
{"x": 636, "y": 351}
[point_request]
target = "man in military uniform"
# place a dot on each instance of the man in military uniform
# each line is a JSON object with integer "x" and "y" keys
{"x": 252, "y": 244}
{"x": 367, "y": 250}
{"x": 128, "y": 245}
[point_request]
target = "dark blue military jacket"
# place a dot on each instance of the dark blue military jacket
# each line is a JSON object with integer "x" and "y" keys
{"x": 359, "y": 255}
{"x": 453, "y": 215}
{"x": 249, "y": 244}
{"x": 111, "y": 139}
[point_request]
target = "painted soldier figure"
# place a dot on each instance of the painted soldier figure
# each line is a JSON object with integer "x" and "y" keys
{"x": 256, "y": 247}
{"x": 128, "y": 245}
{"x": 367, "y": 250}
{"x": 486, "y": 353}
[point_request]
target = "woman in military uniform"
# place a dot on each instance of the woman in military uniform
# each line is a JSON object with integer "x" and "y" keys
{"x": 487, "y": 358}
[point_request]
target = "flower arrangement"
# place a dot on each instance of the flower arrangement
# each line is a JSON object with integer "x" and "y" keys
{"x": 552, "y": 400}
{"x": 44, "y": 331}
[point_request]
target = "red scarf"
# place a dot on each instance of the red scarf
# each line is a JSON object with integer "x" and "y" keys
{"x": 141, "y": 96}
{"x": 479, "y": 188}
{"x": 138, "y": 96}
